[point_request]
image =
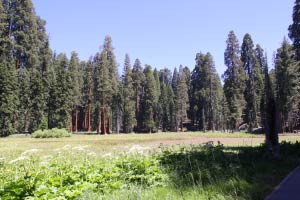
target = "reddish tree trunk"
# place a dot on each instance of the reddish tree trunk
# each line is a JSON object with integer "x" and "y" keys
{"x": 18, "y": 64}
{"x": 71, "y": 124}
{"x": 76, "y": 121}
{"x": 108, "y": 125}
{"x": 103, "y": 128}
{"x": 89, "y": 118}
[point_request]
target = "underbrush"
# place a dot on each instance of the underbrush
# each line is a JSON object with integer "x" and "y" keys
{"x": 179, "y": 172}
{"x": 51, "y": 133}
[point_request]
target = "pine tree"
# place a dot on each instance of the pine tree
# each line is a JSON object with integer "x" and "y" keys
{"x": 111, "y": 94}
{"x": 205, "y": 87}
{"x": 249, "y": 62}
{"x": 62, "y": 93}
{"x": 261, "y": 62}
{"x": 87, "y": 94}
{"x": 51, "y": 96}
{"x": 294, "y": 35}
{"x": 76, "y": 94}
{"x": 4, "y": 38}
{"x": 165, "y": 76}
{"x": 294, "y": 29}
{"x": 174, "y": 84}
{"x": 183, "y": 98}
{"x": 128, "y": 98}
{"x": 8, "y": 98}
{"x": 138, "y": 78}
{"x": 284, "y": 90}
{"x": 36, "y": 100}
{"x": 233, "y": 78}
{"x": 24, "y": 31}
{"x": 157, "y": 107}
{"x": 147, "y": 102}
{"x": 172, "y": 109}
{"x": 175, "y": 79}
{"x": 102, "y": 91}
{"x": 164, "y": 103}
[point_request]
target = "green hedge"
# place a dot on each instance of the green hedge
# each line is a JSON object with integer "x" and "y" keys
{"x": 51, "y": 133}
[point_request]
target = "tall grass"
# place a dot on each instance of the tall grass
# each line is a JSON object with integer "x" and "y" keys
{"x": 179, "y": 172}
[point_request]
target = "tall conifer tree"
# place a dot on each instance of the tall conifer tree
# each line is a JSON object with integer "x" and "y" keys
{"x": 76, "y": 94}
{"x": 233, "y": 81}
{"x": 294, "y": 29}
{"x": 128, "y": 98}
{"x": 148, "y": 100}
{"x": 138, "y": 78}
{"x": 183, "y": 98}
{"x": 249, "y": 62}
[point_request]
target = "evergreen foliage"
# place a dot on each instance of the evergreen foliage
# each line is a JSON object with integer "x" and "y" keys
{"x": 128, "y": 98}
{"x": 148, "y": 101}
{"x": 40, "y": 89}
{"x": 249, "y": 62}
{"x": 233, "y": 81}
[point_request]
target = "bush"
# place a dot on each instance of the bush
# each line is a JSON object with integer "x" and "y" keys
{"x": 51, "y": 133}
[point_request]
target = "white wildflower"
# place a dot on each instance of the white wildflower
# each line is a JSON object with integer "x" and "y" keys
{"x": 57, "y": 149}
{"x": 47, "y": 157}
{"x": 30, "y": 151}
{"x": 21, "y": 158}
{"x": 66, "y": 147}
{"x": 137, "y": 149}
{"x": 107, "y": 155}
{"x": 44, "y": 163}
{"x": 80, "y": 148}
{"x": 92, "y": 154}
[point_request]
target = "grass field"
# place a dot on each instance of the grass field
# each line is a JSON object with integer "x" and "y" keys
{"x": 143, "y": 166}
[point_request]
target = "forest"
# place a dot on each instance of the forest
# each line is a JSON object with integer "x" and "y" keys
{"x": 40, "y": 88}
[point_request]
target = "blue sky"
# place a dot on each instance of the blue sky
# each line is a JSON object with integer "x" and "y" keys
{"x": 163, "y": 33}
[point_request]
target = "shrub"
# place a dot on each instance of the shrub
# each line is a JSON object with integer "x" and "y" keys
{"x": 51, "y": 133}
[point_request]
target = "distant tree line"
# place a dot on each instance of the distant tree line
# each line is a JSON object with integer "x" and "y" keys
{"x": 38, "y": 86}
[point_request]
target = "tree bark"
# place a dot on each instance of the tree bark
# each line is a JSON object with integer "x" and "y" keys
{"x": 108, "y": 125}
{"x": 71, "y": 124}
{"x": 89, "y": 118}
{"x": 76, "y": 121}
{"x": 103, "y": 128}
{"x": 181, "y": 125}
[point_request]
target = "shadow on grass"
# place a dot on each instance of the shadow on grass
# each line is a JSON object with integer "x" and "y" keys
{"x": 235, "y": 172}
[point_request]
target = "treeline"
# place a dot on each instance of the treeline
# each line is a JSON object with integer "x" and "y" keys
{"x": 39, "y": 88}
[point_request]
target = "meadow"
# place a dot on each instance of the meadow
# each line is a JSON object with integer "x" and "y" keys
{"x": 143, "y": 166}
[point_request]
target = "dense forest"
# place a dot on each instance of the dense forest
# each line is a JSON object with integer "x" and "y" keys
{"x": 42, "y": 89}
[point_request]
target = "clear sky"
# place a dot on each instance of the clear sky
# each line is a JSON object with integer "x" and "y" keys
{"x": 163, "y": 33}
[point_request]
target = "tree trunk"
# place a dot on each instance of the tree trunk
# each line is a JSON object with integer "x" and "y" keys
{"x": 108, "y": 123}
{"x": 76, "y": 121}
{"x": 181, "y": 125}
{"x": 89, "y": 118}
{"x": 203, "y": 120}
{"x": 18, "y": 64}
{"x": 71, "y": 124}
{"x": 103, "y": 128}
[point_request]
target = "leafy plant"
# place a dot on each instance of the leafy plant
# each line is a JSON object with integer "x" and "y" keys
{"x": 53, "y": 133}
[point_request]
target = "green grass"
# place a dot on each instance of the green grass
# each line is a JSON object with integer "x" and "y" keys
{"x": 136, "y": 166}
